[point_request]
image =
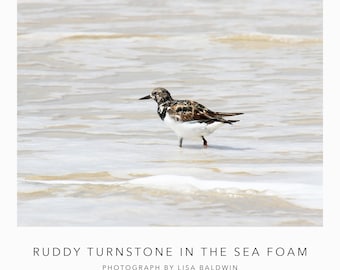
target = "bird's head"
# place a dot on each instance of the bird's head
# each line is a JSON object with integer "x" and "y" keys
{"x": 159, "y": 94}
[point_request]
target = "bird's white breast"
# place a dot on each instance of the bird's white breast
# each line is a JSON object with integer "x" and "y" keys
{"x": 190, "y": 128}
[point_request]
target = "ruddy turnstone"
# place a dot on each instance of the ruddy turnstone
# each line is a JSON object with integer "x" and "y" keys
{"x": 187, "y": 118}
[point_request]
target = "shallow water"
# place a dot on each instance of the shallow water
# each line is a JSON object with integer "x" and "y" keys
{"x": 91, "y": 154}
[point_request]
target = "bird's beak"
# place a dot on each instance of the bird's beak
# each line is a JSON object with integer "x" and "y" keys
{"x": 146, "y": 97}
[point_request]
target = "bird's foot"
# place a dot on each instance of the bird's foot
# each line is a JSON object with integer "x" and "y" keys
{"x": 205, "y": 143}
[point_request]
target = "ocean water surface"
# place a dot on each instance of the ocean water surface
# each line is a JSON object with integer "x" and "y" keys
{"x": 91, "y": 154}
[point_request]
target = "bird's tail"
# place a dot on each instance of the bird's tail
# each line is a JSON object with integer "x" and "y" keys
{"x": 221, "y": 114}
{"x": 227, "y": 114}
{"x": 230, "y": 121}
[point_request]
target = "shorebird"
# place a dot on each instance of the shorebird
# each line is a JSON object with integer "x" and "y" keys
{"x": 187, "y": 118}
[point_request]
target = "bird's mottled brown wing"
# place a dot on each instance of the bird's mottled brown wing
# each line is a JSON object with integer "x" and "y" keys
{"x": 188, "y": 110}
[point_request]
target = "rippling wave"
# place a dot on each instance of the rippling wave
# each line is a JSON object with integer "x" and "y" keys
{"x": 169, "y": 184}
{"x": 240, "y": 37}
{"x": 268, "y": 38}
